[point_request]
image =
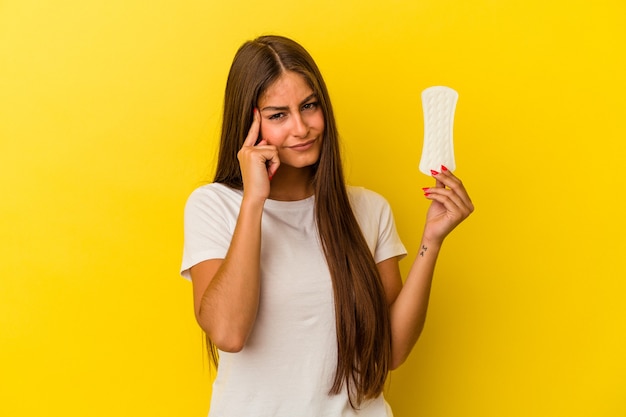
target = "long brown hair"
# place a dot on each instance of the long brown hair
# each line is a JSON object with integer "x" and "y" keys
{"x": 361, "y": 311}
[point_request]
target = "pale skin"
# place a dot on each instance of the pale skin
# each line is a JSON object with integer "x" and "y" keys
{"x": 291, "y": 125}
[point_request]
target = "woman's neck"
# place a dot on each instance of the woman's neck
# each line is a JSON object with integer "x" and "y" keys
{"x": 291, "y": 184}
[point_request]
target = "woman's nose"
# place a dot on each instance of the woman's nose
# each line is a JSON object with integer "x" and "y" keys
{"x": 300, "y": 127}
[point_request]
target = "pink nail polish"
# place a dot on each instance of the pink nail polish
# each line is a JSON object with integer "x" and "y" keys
{"x": 433, "y": 172}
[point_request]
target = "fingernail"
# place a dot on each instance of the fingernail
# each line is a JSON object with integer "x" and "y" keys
{"x": 425, "y": 189}
{"x": 443, "y": 168}
{"x": 426, "y": 194}
{"x": 433, "y": 172}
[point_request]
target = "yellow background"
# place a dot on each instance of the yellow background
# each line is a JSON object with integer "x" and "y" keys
{"x": 109, "y": 114}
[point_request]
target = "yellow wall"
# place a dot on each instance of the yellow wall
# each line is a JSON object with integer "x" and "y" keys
{"x": 109, "y": 113}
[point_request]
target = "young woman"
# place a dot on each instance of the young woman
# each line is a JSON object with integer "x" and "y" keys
{"x": 295, "y": 275}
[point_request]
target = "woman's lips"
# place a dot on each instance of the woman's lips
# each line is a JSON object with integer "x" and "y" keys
{"x": 303, "y": 146}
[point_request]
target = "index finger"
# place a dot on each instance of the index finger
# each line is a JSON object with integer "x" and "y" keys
{"x": 253, "y": 133}
{"x": 456, "y": 185}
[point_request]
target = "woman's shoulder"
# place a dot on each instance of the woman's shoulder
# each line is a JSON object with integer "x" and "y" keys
{"x": 212, "y": 193}
{"x": 362, "y": 197}
{"x": 214, "y": 189}
{"x": 358, "y": 192}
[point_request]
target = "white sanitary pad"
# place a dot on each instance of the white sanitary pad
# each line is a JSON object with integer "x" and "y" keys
{"x": 439, "y": 104}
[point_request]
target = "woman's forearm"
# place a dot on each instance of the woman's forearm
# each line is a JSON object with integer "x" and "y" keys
{"x": 408, "y": 312}
{"x": 230, "y": 302}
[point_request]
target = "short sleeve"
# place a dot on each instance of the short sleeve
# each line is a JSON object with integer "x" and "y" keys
{"x": 389, "y": 244}
{"x": 209, "y": 221}
{"x": 375, "y": 217}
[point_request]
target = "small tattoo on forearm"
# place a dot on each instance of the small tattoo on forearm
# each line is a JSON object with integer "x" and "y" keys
{"x": 424, "y": 249}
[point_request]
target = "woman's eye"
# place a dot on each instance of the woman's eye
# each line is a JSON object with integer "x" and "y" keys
{"x": 276, "y": 116}
{"x": 310, "y": 106}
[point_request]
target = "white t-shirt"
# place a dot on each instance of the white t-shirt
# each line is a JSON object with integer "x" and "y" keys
{"x": 287, "y": 366}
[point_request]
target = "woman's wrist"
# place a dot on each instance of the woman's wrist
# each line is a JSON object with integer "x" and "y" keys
{"x": 251, "y": 201}
{"x": 429, "y": 246}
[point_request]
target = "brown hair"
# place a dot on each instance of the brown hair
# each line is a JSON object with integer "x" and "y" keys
{"x": 362, "y": 314}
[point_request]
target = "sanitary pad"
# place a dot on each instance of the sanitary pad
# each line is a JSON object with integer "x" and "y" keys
{"x": 439, "y": 104}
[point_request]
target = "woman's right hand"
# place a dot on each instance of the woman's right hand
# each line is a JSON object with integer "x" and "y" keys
{"x": 258, "y": 162}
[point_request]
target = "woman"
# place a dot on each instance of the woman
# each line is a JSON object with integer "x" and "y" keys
{"x": 295, "y": 275}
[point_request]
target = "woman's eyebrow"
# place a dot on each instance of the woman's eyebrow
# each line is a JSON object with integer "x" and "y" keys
{"x": 309, "y": 98}
{"x": 283, "y": 108}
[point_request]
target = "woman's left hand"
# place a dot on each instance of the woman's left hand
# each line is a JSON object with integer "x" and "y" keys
{"x": 450, "y": 206}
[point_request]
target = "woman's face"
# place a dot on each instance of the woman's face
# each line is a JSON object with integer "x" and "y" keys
{"x": 292, "y": 120}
